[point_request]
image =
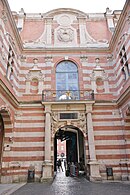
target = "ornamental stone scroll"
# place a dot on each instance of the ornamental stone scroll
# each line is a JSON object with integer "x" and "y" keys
{"x": 79, "y": 123}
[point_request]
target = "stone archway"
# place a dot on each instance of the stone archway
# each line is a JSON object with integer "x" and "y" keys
{"x": 75, "y": 145}
{"x": 5, "y": 127}
{"x": 82, "y": 119}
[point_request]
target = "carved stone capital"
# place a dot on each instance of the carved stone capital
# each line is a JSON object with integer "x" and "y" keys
{"x": 88, "y": 109}
{"x": 48, "y": 109}
{"x": 48, "y": 58}
{"x": 23, "y": 58}
{"x": 49, "y": 20}
{"x": 83, "y": 58}
{"x": 110, "y": 58}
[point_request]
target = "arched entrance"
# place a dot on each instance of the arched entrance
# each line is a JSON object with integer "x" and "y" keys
{"x": 6, "y": 126}
{"x": 1, "y": 140}
{"x": 74, "y": 141}
{"x": 60, "y": 120}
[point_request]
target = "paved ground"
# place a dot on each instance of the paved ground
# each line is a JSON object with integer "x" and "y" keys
{"x": 7, "y": 189}
{"x": 63, "y": 185}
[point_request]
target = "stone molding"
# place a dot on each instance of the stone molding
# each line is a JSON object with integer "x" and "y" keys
{"x": 35, "y": 73}
{"x": 57, "y": 123}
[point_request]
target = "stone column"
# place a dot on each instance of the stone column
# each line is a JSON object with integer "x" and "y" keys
{"x": 21, "y": 19}
{"x": 128, "y": 166}
{"x": 49, "y": 30}
{"x": 40, "y": 86}
{"x": 47, "y": 164}
{"x": 93, "y": 164}
{"x": 124, "y": 170}
{"x": 109, "y": 17}
{"x": 106, "y": 86}
{"x": 93, "y": 82}
{"x": 28, "y": 86}
{"x": 82, "y": 27}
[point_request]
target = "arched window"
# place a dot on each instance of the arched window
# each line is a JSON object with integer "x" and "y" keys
{"x": 67, "y": 80}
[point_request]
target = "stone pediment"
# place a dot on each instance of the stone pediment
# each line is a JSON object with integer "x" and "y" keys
{"x": 65, "y": 27}
{"x": 71, "y": 11}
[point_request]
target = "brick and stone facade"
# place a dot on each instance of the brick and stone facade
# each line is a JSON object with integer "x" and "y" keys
{"x": 31, "y": 47}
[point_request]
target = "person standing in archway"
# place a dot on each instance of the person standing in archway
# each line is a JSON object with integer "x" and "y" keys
{"x": 59, "y": 165}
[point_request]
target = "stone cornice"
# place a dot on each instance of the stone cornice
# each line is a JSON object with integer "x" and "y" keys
{"x": 65, "y": 10}
{"x": 119, "y": 27}
{"x": 65, "y": 49}
{"x": 105, "y": 103}
{"x": 86, "y": 102}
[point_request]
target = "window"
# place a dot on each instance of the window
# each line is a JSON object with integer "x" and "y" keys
{"x": 10, "y": 64}
{"x": 62, "y": 147}
{"x": 124, "y": 63}
{"x": 67, "y": 80}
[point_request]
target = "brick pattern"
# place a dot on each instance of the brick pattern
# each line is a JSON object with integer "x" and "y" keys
{"x": 23, "y": 114}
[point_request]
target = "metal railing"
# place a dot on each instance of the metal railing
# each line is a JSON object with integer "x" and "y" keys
{"x": 65, "y": 95}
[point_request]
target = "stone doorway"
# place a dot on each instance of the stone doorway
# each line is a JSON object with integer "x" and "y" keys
{"x": 75, "y": 148}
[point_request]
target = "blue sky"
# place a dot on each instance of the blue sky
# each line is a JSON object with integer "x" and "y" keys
{"x": 88, "y": 6}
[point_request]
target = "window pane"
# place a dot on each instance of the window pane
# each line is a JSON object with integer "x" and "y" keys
{"x": 61, "y": 78}
{"x": 61, "y": 86}
{"x": 66, "y": 66}
{"x": 72, "y": 76}
{"x": 72, "y": 86}
{"x": 67, "y": 79}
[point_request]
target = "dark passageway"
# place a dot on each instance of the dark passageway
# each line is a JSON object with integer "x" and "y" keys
{"x": 74, "y": 146}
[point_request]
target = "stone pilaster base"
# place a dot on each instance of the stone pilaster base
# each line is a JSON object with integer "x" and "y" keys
{"x": 94, "y": 171}
{"x": 47, "y": 172}
{"x": 124, "y": 177}
{"x": 128, "y": 177}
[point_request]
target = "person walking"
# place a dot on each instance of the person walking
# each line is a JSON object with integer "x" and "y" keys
{"x": 65, "y": 164}
{"x": 59, "y": 165}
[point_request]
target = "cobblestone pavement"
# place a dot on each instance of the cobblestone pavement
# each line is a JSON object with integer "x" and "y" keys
{"x": 63, "y": 185}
